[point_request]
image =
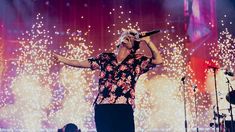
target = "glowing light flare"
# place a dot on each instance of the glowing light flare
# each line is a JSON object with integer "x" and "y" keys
{"x": 74, "y": 101}
{"x": 164, "y": 99}
{"x": 30, "y": 100}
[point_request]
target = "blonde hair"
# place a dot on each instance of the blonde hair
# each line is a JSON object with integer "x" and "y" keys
{"x": 124, "y": 33}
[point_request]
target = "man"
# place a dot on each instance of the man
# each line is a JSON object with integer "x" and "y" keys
{"x": 118, "y": 75}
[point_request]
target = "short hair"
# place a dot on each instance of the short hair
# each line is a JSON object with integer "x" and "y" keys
{"x": 60, "y": 130}
{"x": 70, "y": 127}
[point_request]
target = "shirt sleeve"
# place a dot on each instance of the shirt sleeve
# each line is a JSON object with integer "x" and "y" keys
{"x": 146, "y": 64}
{"x": 95, "y": 62}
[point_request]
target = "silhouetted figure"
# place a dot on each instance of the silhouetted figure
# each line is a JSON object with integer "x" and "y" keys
{"x": 69, "y": 128}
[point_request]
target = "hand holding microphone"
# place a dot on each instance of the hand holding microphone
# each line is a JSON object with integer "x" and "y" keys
{"x": 145, "y": 34}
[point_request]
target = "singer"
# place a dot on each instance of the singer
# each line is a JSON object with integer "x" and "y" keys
{"x": 119, "y": 73}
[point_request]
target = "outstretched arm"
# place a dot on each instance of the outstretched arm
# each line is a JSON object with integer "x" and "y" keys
{"x": 74, "y": 63}
{"x": 157, "y": 58}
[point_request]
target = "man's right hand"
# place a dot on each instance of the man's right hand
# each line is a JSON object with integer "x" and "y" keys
{"x": 57, "y": 57}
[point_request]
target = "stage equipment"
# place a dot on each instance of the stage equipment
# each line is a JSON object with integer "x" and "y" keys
{"x": 222, "y": 124}
{"x": 230, "y": 97}
{"x": 229, "y": 73}
{"x": 185, "y": 113}
{"x": 216, "y": 95}
{"x": 195, "y": 104}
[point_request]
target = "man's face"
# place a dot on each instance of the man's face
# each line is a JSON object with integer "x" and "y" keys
{"x": 128, "y": 41}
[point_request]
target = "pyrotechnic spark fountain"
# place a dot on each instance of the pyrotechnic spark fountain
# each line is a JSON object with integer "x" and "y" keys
{"x": 77, "y": 94}
{"x": 1, "y": 73}
{"x": 40, "y": 89}
{"x": 224, "y": 51}
{"x": 1, "y": 62}
{"x": 174, "y": 56}
{"x": 30, "y": 88}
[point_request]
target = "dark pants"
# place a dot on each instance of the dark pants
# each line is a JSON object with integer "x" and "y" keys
{"x": 114, "y": 118}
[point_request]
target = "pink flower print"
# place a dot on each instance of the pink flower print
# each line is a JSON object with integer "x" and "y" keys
{"x": 131, "y": 101}
{"x": 126, "y": 88}
{"x": 144, "y": 64}
{"x": 113, "y": 88}
{"x": 120, "y": 83}
{"x": 95, "y": 65}
{"x": 138, "y": 56}
{"x": 132, "y": 92}
{"x": 123, "y": 67}
{"x": 108, "y": 84}
{"x": 114, "y": 62}
{"x": 102, "y": 74}
{"x": 109, "y": 68}
{"x": 128, "y": 80}
{"x": 130, "y": 61}
{"x": 112, "y": 98}
{"x": 137, "y": 69}
{"x": 123, "y": 75}
{"x": 101, "y": 87}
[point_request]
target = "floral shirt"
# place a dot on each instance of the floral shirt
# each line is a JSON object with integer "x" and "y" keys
{"x": 117, "y": 81}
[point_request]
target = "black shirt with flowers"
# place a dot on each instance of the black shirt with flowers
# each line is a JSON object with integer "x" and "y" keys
{"x": 117, "y": 80}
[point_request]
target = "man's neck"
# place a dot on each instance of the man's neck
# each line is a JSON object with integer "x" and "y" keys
{"x": 122, "y": 54}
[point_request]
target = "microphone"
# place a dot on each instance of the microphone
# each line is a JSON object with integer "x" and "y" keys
{"x": 229, "y": 73}
{"x": 183, "y": 78}
{"x": 145, "y": 34}
{"x": 194, "y": 86}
